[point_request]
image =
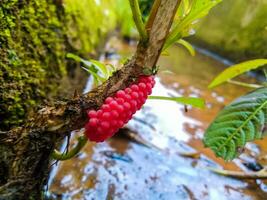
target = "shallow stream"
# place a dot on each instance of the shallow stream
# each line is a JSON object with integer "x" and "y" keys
{"x": 149, "y": 165}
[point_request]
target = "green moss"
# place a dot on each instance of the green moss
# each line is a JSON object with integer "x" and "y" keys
{"x": 34, "y": 39}
{"x": 32, "y": 52}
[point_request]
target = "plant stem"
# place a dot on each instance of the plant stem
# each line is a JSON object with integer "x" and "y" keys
{"x": 82, "y": 140}
{"x": 244, "y": 84}
{"x": 152, "y": 14}
{"x": 193, "y": 101}
{"x": 137, "y": 16}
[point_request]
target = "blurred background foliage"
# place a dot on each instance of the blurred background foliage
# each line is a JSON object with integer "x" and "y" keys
{"x": 235, "y": 29}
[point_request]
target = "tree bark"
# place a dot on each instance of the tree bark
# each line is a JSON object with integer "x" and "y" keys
{"x": 25, "y": 151}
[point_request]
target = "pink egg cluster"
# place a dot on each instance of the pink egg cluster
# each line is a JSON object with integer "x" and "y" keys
{"x": 118, "y": 110}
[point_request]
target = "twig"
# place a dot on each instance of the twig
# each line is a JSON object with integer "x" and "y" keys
{"x": 137, "y": 138}
{"x": 244, "y": 84}
{"x": 137, "y": 16}
{"x": 195, "y": 155}
{"x": 82, "y": 140}
{"x": 240, "y": 175}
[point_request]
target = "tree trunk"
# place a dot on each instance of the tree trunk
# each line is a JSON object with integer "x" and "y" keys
{"x": 25, "y": 151}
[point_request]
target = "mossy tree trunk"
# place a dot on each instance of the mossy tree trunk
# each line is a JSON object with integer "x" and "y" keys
{"x": 25, "y": 151}
{"x": 34, "y": 39}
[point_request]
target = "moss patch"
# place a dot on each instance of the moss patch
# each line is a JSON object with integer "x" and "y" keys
{"x": 34, "y": 39}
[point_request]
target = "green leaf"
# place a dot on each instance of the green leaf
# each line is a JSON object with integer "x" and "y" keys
{"x": 186, "y": 6}
{"x": 101, "y": 67}
{"x": 74, "y": 57}
{"x": 98, "y": 79}
{"x": 199, "y": 9}
{"x": 147, "y": 71}
{"x": 236, "y": 70}
{"x": 100, "y": 71}
{"x": 165, "y": 53}
{"x": 192, "y": 101}
{"x": 111, "y": 69}
{"x": 188, "y": 46}
{"x": 242, "y": 121}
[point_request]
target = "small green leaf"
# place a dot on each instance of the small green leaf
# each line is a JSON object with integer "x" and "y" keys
{"x": 111, "y": 69}
{"x": 100, "y": 71}
{"x": 242, "y": 121}
{"x": 165, "y": 53}
{"x": 100, "y": 66}
{"x": 186, "y": 6}
{"x": 188, "y": 46}
{"x": 74, "y": 57}
{"x": 236, "y": 70}
{"x": 155, "y": 69}
{"x": 185, "y": 22}
{"x": 97, "y": 78}
{"x": 147, "y": 71}
{"x": 192, "y": 101}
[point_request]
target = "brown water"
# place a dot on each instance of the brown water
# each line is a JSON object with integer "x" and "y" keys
{"x": 124, "y": 169}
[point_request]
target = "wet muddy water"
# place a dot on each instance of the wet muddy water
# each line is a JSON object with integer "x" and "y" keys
{"x": 148, "y": 166}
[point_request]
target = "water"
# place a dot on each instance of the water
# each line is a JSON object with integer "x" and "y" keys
{"x": 122, "y": 168}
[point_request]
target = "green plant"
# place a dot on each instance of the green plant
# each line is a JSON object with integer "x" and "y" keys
{"x": 100, "y": 71}
{"x": 243, "y": 120}
{"x": 188, "y": 12}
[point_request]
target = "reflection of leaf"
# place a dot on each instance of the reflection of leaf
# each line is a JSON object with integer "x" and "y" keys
{"x": 240, "y": 122}
{"x": 182, "y": 26}
{"x": 192, "y": 101}
{"x": 236, "y": 70}
{"x": 188, "y": 46}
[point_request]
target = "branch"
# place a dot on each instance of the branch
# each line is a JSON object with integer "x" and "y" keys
{"x": 27, "y": 150}
{"x": 72, "y": 114}
{"x": 137, "y": 16}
